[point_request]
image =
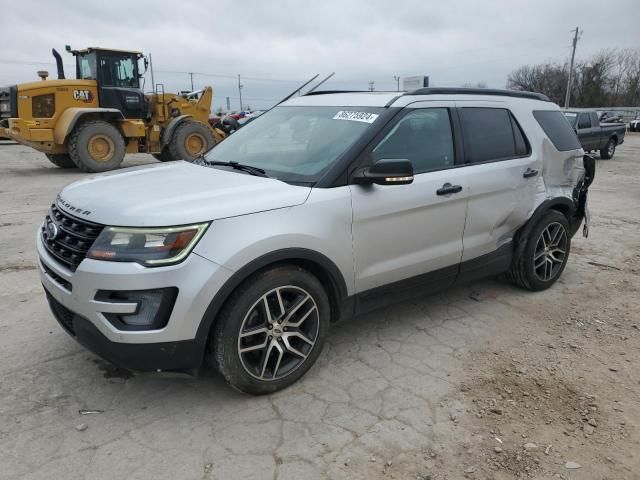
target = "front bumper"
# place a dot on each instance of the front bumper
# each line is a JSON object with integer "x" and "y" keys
{"x": 176, "y": 346}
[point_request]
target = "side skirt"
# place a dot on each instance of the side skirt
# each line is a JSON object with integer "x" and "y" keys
{"x": 488, "y": 265}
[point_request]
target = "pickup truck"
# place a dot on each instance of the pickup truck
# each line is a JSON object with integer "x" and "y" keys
{"x": 594, "y": 135}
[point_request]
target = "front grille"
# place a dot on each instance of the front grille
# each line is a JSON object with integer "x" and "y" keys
{"x": 68, "y": 238}
{"x": 63, "y": 315}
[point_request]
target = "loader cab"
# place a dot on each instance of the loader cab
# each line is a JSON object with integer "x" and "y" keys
{"x": 117, "y": 75}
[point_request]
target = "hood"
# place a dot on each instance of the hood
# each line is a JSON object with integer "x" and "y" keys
{"x": 175, "y": 193}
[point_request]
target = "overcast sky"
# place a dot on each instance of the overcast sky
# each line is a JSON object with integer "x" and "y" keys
{"x": 277, "y": 44}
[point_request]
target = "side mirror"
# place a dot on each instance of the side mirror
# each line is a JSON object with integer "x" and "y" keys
{"x": 386, "y": 172}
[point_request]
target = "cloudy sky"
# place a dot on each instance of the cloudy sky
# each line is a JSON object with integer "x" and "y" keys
{"x": 277, "y": 44}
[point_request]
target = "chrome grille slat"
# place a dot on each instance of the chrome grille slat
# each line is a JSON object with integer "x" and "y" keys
{"x": 74, "y": 239}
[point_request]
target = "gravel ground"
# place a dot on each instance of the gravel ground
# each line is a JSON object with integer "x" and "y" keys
{"x": 483, "y": 381}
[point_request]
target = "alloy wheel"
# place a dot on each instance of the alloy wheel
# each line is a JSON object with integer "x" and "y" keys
{"x": 278, "y": 333}
{"x": 550, "y": 252}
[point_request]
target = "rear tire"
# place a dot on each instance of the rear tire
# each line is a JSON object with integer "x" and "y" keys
{"x": 61, "y": 160}
{"x": 287, "y": 338}
{"x": 541, "y": 260}
{"x": 96, "y": 146}
{"x": 609, "y": 150}
{"x": 190, "y": 140}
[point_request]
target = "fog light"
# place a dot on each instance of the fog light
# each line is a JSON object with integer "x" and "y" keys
{"x": 153, "y": 310}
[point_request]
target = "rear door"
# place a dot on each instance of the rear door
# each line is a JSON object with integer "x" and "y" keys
{"x": 502, "y": 173}
{"x": 406, "y": 231}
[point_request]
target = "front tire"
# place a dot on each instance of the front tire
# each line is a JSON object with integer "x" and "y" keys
{"x": 96, "y": 146}
{"x": 609, "y": 150}
{"x": 271, "y": 330}
{"x": 61, "y": 160}
{"x": 190, "y": 140}
{"x": 541, "y": 260}
{"x": 163, "y": 156}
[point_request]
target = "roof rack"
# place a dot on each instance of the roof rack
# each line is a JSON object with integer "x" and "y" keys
{"x": 479, "y": 91}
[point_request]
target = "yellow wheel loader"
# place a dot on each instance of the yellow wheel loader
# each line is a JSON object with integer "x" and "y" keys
{"x": 91, "y": 122}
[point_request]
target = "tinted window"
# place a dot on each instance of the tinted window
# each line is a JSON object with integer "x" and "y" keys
{"x": 558, "y": 129}
{"x": 423, "y": 137}
{"x": 490, "y": 134}
{"x": 118, "y": 72}
{"x": 584, "y": 121}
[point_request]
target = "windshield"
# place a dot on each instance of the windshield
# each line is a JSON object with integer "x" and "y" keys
{"x": 572, "y": 117}
{"x": 296, "y": 144}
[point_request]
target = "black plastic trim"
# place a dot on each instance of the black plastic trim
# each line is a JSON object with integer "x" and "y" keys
{"x": 337, "y": 175}
{"x": 169, "y": 295}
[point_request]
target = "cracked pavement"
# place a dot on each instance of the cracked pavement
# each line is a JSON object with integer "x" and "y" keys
{"x": 378, "y": 403}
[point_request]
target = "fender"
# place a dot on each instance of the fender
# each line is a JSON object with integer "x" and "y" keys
{"x": 168, "y": 131}
{"x": 562, "y": 204}
{"x": 70, "y": 117}
{"x": 294, "y": 255}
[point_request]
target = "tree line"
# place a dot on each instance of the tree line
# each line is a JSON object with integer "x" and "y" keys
{"x": 610, "y": 78}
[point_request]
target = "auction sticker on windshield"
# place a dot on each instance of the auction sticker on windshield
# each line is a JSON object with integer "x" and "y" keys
{"x": 365, "y": 117}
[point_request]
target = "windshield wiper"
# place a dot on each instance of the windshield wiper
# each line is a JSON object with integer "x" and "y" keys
{"x": 235, "y": 165}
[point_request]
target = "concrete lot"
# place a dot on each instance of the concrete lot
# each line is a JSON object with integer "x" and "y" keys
{"x": 481, "y": 381}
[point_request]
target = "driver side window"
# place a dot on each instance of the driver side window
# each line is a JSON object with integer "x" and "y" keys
{"x": 422, "y": 136}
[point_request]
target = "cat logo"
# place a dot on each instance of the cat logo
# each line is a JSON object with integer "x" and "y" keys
{"x": 83, "y": 95}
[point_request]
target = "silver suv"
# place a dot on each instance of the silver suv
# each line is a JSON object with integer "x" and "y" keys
{"x": 328, "y": 205}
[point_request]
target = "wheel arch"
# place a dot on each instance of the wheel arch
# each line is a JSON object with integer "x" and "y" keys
{"x": 71, "y": 117}
{"x": 171, "y": 127}
{"x": 563, "y": 205}
{"x": 316, "y": 263}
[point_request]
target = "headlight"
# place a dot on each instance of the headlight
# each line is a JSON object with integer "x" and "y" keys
{"x": 43, "y": 106}
{"x": 152, "y": 247}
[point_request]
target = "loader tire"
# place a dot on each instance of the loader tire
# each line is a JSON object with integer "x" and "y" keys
{"x": 190, "y": 140}
{"x": 96, "y": 146}
{"x": 61, "y": 160}
{"x": 164, "y": 156}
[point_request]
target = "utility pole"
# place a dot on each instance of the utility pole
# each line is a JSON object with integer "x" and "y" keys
{"x": 372, "y": 86}
{"x": 397, "y": 79}
{"x": 240, "y": 91}
{"x": 228, "y": 104}
{"x": 573, "y": 56}
{"x": 191, "y": 77}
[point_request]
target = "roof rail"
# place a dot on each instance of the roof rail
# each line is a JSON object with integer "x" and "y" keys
{"x": 328, "y": 92}
{"x": 479, "y": 91}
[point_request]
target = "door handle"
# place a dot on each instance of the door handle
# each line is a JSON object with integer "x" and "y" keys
{"x": 530, "y": 172}
{"x": 448, "y": 189}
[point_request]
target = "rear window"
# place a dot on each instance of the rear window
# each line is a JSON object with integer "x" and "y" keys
{"x": 558, "y": 129}
{"x": 491, "y": 134}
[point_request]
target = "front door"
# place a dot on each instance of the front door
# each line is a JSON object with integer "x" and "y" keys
{"x": 119, "y": 86}
{"x": 406, "y": 231}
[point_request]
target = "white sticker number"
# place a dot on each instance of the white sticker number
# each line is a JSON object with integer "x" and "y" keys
{"x": 365, "y": 117}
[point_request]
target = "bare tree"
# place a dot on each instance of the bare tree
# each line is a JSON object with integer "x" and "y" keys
{"x": 608, "y": 78}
